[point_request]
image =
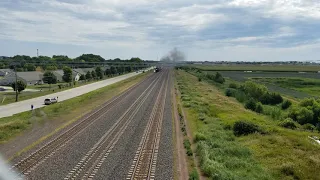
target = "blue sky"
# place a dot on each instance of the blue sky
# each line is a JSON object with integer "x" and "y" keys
{"x": 211, "y": 30}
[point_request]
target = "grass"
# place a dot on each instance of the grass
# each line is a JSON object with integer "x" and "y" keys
{"x": 270, "y": 68}
{"x": 279, "y": 153}
{"x": 69, "y": 109}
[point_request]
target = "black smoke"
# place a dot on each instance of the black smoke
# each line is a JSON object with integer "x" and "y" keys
{"x": 174, "y": 56}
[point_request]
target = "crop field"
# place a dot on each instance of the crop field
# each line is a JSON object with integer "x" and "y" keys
{"x": 270, "y": 152}
{"x": 270, "y": 68}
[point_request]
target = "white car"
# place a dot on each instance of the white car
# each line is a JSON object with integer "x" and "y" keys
{"x": 50, "y": 101}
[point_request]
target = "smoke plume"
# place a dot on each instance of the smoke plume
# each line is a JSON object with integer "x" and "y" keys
{"x": 174, "y": 56}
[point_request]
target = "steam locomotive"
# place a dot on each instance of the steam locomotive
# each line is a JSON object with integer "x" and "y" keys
{"x": 157, "y": 69}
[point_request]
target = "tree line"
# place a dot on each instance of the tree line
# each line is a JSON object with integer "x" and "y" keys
{"x": 27, "y": 63}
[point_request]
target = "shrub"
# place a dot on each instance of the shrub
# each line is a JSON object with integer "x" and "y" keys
{"x": 271, "y": 98}
{"x": 218, "y": 78}
{"x": 245, "y": 128}
{"x": 199, "y": 79}
{"x": 193, "y": 175}
{"x": 254, "y": 90}
{"x": 233, "y": 85}
{"x": 250, "y": 104}
{"x": 286, "y": 104}
{"x": 231, "y": 92}
{"x": 240, "y": 96}
{"x": 309, "y": 127}
{"x": 307, "y": 102}
{"x": 259, "y": 108}
{"x": 302, "y": 115}
{"x": 187, "y": 146}
{"x": 199, "y": 137}
{"x": 288, "y": 123}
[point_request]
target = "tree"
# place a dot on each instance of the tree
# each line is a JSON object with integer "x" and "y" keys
{"x": 67, "y": 74}
{"x": 99, "y": 72}
{"x": 82, "y": 77}
{"x": 108, "y": 72}
{"x": 29, "y": 67}
{"x": 254, "y": 90}
{"x": 128, "y": 69}
{"x": 90, "y": 58}
{"x": 20, "y": 86}
{"x": 60, "y": 58}
{"x": 88, "y": 75}
{"x": 93, "y": 74}
{"x": 50, "y": 78}
{"x": 113, "y": 70}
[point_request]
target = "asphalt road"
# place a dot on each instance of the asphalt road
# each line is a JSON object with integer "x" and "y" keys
{"x": 107, "y": 147}
{"x": 22, "y": 106}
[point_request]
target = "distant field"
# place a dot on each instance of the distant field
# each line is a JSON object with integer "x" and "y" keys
{"x": 271, "y": 68}
{"x": 306, "y": 85}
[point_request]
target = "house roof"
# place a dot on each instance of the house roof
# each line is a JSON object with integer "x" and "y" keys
{"x": 30, "y": 75}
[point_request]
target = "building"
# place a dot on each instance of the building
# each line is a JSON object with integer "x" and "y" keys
{"x": 4, "y": 72}
{"x": 30, "y": 78}
{"x": 59, "y": 74}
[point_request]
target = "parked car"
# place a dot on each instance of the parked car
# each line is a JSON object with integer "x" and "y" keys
{"x": 50, "y": 101}
{"x": 2, "y": 89}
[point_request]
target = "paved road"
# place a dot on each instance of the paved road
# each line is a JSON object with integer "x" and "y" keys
{"x": 130, "y": 138}
{"x": 22, "y": 106}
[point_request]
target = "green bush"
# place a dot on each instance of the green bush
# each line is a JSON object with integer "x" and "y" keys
{"x": 245, "y": 128}
{"x": 231, "y": 92}
{"x": 199, "y": 79}
{"x": 218, "y": 78}
{"x": 302, "y": 115}
{"x": 199, "y": 137}
{"x": 259, "y": 108}
{"x": 250, "y": 104}
{"x": 187, "y": 146}
{"x": 240, "y": 96}
{"x": 233, "y": 85}
{"x": 288, "y": 123}
{"x": 193, "y": 175}
{"x": 309, "y": 127}
{"x": 286, "y": 104}
{"x": 271, "y": 98}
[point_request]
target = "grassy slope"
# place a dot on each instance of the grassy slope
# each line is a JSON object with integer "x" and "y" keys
{"x": 68, "y": 110}
{"x": 284, "y": 153}
{"x": 283, "y": 68}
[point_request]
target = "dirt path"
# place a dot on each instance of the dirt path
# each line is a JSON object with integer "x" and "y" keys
{"x": 181, "y": 162}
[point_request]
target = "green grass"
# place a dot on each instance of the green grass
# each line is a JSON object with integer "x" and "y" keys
{"x": 279, "y": 153}
{"x": 271, "y": 68}
{"x": 68, "y": 110}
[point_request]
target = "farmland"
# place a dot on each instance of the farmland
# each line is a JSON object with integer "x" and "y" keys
{"x": 266, "y": 68}
{"x": 279, "y": 120}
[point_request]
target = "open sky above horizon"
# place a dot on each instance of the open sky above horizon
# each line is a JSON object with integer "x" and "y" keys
{"x": 205, "y": 30}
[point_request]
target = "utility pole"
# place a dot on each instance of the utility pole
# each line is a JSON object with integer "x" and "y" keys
{"x": 16, "y": 84}
{"x": 37, "y": 52}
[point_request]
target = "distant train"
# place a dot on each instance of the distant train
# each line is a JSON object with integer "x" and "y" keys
{"x": 157, "y": 69}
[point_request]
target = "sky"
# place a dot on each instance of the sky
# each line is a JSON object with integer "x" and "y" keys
{"x": 205, "y": 30}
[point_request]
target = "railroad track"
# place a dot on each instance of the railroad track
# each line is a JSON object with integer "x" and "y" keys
{"x": 26, "y": 165}
{"x": 89, "y": 165}
{"x": 145, "y": 160}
